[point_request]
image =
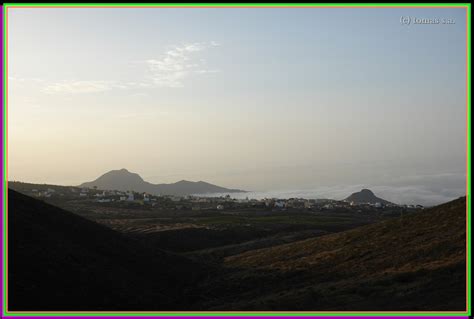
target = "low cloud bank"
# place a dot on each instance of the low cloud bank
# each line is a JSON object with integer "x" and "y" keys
{"x": 427, "y": 190}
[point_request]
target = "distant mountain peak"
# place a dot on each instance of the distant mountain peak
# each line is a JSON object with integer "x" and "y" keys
{"x": 124, "y": 180}
{"x": 123, "y": 173}
{"x": 365, "y": 196}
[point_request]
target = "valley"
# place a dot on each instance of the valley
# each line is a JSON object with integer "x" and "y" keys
{"x": 259, "y": 258}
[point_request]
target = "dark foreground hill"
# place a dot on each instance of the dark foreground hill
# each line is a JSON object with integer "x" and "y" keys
{"x": 124, "y": 180}
{"x": 60, "y": 261}
{"x": 415, "y": 262}
{"x": 365, "y": 196}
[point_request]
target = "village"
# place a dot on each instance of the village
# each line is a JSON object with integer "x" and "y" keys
{"x": 225, "y": 204}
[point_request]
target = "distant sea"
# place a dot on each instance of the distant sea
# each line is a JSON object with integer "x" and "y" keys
{"x": 412, "y": 194}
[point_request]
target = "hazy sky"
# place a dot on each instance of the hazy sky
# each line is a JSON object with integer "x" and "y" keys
{"x": 259, "y": 99}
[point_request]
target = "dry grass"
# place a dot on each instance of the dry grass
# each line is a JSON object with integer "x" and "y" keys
{"x": 412, "y": 263}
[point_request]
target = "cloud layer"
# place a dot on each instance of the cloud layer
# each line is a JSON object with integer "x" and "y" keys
{"x": 426, "y": 190}
{"x": 74, "y": 87}
{"x": 170, "y": 70}
{"x": 178, "y": 64}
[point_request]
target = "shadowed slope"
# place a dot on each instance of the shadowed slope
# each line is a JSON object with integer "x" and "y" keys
{"x": 61, "y": 261}
{"x": 415, "y": 262}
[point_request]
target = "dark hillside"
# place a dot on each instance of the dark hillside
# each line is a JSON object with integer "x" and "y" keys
{"x": 60, "y": 261}
{"x": 415, "y": 262}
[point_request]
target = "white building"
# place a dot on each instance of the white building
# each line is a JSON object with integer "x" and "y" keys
{"x": 279, "y": 204}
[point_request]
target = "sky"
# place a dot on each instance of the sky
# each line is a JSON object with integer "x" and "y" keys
{"x": 256, "y": 99}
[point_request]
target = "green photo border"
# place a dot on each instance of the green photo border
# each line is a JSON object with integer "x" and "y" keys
{"x": 7, "y": 6}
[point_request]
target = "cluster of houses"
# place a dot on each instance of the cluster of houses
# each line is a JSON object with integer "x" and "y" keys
{"x": 116, "y": 196}
{"x": 99, "y": 196}
{"x": 43, "y": 193}
{"x": 192, "y": 202}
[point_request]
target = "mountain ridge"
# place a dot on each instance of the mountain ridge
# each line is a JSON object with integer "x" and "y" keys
{"x": 124, "y": 180}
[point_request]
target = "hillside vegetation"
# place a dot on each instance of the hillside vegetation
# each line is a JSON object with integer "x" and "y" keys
{"x": 414, "y": 262}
